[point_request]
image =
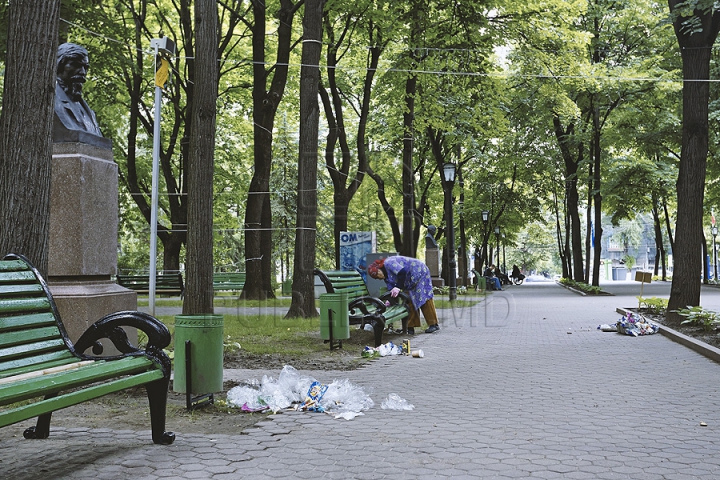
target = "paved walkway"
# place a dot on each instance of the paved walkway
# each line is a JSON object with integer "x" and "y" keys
{"x": 521, "y": 386}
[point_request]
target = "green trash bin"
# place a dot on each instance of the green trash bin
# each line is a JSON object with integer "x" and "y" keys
{"x": 287, "y": 287}
{"x": 205, "y": 334}
{"x": 334, "y": 311}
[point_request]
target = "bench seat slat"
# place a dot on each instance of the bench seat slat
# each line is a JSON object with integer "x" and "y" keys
{"x": 56, "y": 382}
{"x": 41, "y": 364}
{"x": 23, "y": 412}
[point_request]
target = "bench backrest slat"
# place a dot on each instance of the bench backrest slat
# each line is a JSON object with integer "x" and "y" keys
{"x": 29, "y": 331}
{"x": 26, "y": 321}
{"x": 28, "y": 336}
{"x": 28, "y": 349}
{"x": 341, "y": 281}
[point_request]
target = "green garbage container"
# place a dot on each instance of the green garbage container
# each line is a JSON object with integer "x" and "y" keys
{"x": 287, "y": 287}
{"x": 334, "y": 311}
{"x": 205, "y": 334}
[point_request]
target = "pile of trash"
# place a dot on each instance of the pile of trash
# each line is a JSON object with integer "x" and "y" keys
{"x": 633, "y": 325}
{"x": 293, "y": 391}
{"x": 383, "y": 350}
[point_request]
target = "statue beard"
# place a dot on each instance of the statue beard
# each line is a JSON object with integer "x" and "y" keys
{"x": 74, "y": 89}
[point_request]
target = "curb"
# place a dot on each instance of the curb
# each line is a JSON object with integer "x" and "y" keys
{"x": 702, "y": 348}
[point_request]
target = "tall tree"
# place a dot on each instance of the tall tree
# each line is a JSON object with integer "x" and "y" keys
{"x": 26, "y": 139}
{"x": 269, "y": 81}
{"x": 346, "y": 100}
{"x": 303, "y": 298}
{"x": 199, "y": 269}
{"x": 696, "y": 29}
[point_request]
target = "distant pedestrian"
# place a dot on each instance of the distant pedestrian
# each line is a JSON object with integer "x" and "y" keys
{"x": 413, "y": 277}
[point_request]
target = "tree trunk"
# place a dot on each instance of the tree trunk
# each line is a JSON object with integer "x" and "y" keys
{"x": 597, "y": 197}
{"x": 303, "y": 298}
{"x": 408, "y": 176}
{"x": 199, "y": 266}
{"x": 26, "y": 129}
{"x": 695, "y": 50}
{"x": 266, "y": 99}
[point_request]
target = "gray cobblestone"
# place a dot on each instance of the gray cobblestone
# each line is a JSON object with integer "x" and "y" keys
{"x": 497, "y": 396}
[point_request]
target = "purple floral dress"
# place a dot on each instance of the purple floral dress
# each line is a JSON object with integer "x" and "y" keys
{"x": 410, "y": 275}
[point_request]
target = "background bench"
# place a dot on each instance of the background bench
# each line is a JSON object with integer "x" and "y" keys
{"x": 38, "y": 362}
{"x": 364, "y": 308}
{"x": 482, "y": 283}
{"x": 228, "y": 281}
{"x": 166, "y": 283}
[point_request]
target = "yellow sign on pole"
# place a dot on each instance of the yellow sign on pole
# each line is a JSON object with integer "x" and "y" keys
{"x": 644, "y": 277}
{"x": 162, "y": 72}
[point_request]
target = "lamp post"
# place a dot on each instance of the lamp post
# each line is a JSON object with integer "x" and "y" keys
{"x": 497, "y": 244}
{"x": 449, "y": 177}
{"x": 714, "y": 231}
{"x": 164, "y": 48}
{"x": 485, "y": 218}
{"x": 504, "y": 266}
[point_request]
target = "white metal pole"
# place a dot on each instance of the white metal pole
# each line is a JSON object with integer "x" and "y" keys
{"x": 154, "y": 195}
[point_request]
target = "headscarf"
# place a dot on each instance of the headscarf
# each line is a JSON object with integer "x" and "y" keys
{"x": 375, "y": 267}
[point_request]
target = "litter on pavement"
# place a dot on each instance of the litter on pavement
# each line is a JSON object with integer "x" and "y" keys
{"x": 294, "y": 391}
{"x": 633, "y": 325}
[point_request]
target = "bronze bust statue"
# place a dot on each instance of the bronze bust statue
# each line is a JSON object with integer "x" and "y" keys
{"x": 430, "y": 242}
{"x": 74, "y": 119}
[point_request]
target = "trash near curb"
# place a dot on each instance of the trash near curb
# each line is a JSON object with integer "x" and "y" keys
{"x": 633, "y": 325}
{"x": 293, "y": 391}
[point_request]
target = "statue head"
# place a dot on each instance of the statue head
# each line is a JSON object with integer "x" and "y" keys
{"x": 71, "y": 68}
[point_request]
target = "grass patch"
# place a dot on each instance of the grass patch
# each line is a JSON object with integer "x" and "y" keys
{"x": 268, "y": 334}
{"x": 220, "y": 301}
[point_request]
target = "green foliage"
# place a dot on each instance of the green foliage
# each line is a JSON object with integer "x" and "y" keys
{"x": 582, "y": 286}
{"x": 654, "y": 305}
{"x": 698, "y": 316}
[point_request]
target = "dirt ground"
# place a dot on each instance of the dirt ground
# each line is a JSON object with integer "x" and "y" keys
{"x": 128, "y": 410}
{"x": 711, "y": 337}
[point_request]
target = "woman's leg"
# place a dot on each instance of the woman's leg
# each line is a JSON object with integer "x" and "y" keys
{"x": 429, "y": 312}
{"x": 413, "y": 317}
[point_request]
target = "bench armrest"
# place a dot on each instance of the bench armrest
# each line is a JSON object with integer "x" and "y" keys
{"x": 402, "y": 299}
{"x": 360, "y": 304}
{"x": 110, "y": 327}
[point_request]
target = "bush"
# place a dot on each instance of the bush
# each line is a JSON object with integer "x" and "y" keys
{"x": 654, "y": 305}
{"x": 582, "y": 286}
{"x": 707, "y": 319}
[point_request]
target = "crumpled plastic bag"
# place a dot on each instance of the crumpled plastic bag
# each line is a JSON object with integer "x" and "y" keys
{"x": 389, "y": 349}
{"x": 396, "y": 402}
{"x": 343, "y": 397}
{"x": 339, "y": 398}
{"x": 246, "y": 397}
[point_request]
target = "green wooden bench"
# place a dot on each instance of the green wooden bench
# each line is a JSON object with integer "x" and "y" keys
{"x": 170, "y": 283}
{"x": 41, "y": 371}
{"x": 481, "y": 284}
{"x": 228, "y": 281}
{"x": 364, "y": 308}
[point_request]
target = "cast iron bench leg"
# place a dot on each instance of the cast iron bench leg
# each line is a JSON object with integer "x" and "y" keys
{"x": 157, "y": 398}
{"x": 42, "y": 427}
{"x": 378, "y": 324}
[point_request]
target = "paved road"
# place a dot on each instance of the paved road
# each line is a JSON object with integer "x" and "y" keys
{"x": 521, "y": 386}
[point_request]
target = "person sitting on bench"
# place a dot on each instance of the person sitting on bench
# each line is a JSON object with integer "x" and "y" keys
{"x": 491, "y": 278}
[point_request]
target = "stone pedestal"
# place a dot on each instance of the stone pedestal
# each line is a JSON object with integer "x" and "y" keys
{"x": 82, "y": 256}
{"x": 432, "y": 260}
